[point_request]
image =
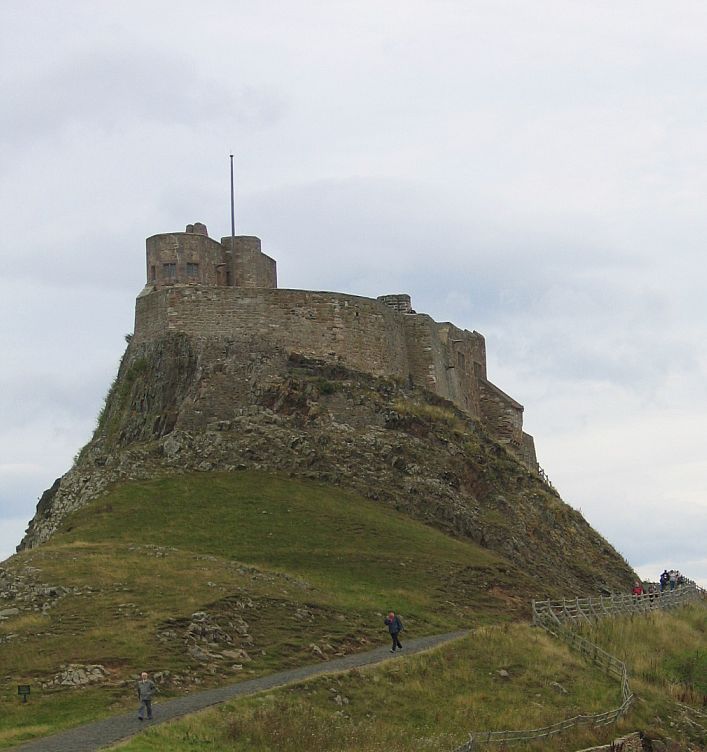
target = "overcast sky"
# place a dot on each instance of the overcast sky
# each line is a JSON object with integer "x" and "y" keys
{"x": 536, "y": 171}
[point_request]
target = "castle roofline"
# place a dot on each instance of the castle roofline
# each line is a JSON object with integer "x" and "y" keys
{"x": 188, "y": 234}
{"x": 492, "y": 387}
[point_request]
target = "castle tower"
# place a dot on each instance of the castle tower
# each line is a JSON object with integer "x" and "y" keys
{"x": 193, "y": 258}
{"x": 249, "y": 266}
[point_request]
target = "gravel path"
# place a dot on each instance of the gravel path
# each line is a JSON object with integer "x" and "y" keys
{"x": 100, "y": 734}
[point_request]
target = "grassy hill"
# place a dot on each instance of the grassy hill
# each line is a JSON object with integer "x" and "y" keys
{"x": 276, "y": 566}
{"x": 210, "y": 578}
{"x": 238, "y": 513}
{"x": 430, "y": 701}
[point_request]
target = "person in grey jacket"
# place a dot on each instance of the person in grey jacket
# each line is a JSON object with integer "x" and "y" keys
{"x": 395, "y": 627}
{"x": 145, "y": 691}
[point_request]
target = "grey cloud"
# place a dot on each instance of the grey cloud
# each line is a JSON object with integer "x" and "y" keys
{"x": 354, "y": 222}
{"x": 587, "y": 311}
{"x": 11, "y": 532}
{"x": 108, "y": 91}
{"x": 679, "y": 537}
{"x": 38, "y": 396}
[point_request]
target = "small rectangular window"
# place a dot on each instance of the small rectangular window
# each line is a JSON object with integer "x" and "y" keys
{"x": 170, "y": 271}
{"x": 153, "y": 273}
{"x": 192, "y": 271}
{"x": 461, "y": 361}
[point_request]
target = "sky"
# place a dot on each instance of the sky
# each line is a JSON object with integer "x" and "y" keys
{"x": 533, "y": 171}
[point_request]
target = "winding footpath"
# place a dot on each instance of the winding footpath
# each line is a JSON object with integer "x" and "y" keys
{"x": 99, "y": 734}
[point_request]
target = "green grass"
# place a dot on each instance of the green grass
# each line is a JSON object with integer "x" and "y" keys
{"x": 425, "y": 702}
{"x": 300, "y": 563}
{"x": 665, "y": 649}
{"x": 46, "y": 713}
{"x": 315, "y": 563}
{"x": 430, "y": 701}
{"x": 366, "y": 555}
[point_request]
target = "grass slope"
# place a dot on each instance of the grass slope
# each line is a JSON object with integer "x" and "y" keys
{"x": 279, "y": 566}
{"x": 429, "y": 702}
{"x": 297, "y": 563}
{"x": 499, "y": 677}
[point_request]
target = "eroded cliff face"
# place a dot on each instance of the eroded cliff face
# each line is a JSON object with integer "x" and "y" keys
{"x": 182, "y": 404}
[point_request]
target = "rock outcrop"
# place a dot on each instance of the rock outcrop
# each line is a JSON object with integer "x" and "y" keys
{"x": 183, "y": 403}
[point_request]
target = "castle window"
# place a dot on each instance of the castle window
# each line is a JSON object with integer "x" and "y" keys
{"x": 153, "y": 273}
{"x": 192, "y": 270}
{"x": 170, "y": 271}
{"x": 461, "y": 361}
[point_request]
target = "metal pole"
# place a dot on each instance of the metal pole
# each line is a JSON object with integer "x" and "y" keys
{"x": 233, "y": 211}
{"x": 232, "y": 272}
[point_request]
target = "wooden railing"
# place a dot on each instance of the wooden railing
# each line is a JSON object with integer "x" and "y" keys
{"x": 575, "y": 610}
{"x": 558, "y": 618}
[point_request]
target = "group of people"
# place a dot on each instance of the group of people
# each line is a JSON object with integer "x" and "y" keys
{"x": 146, "y": 688}
{"x": 669, "y": 580}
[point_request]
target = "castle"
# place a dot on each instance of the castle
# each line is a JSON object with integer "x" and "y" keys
{"x": 225, "y": 373}
{"x": 228, "y": 289}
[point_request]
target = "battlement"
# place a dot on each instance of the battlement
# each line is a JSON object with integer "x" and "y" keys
{"x": 193, "y": 258}
{"x": 399, "y": 302}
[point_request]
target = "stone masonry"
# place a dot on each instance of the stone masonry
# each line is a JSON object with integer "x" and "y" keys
{"x": 203, "y": 288}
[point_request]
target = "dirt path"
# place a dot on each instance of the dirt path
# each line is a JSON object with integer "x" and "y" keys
{"x": 103, "y": 733}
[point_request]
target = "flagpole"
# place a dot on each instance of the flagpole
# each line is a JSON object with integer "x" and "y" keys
{"x": 233, "y": 211}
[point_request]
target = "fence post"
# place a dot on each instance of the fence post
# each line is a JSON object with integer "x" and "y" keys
{"x": 544, "y": 613}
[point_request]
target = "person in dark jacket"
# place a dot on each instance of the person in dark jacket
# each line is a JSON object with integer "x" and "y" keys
{"x": 145, "y": 691}
{"x": 395, "y": 627}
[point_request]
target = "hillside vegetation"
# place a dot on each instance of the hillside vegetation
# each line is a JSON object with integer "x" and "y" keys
{"x": 428, "y": 702}
{"x": 210, "y": 578}
{"x": 283, "y": 572}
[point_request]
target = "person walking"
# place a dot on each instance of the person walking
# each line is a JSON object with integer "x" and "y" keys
{"x": 146, "y": 689}
{"x": 652, "y": 593}
{"x": 395, "y": 627}
{"x": 637, "y": 591}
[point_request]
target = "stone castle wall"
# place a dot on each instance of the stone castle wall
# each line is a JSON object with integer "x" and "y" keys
{"x": 250, "y": 266}
{"x": 360, "y": 333}
{"x": 502, "y": 413}
{"x": 207, "y": 289}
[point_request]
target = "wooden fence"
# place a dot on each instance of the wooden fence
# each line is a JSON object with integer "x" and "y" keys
{"x": 574, "y": 610}
{"x": 558, "y": 618}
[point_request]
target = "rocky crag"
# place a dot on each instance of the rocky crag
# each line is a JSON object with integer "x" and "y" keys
{"x": 182, "y": 403}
